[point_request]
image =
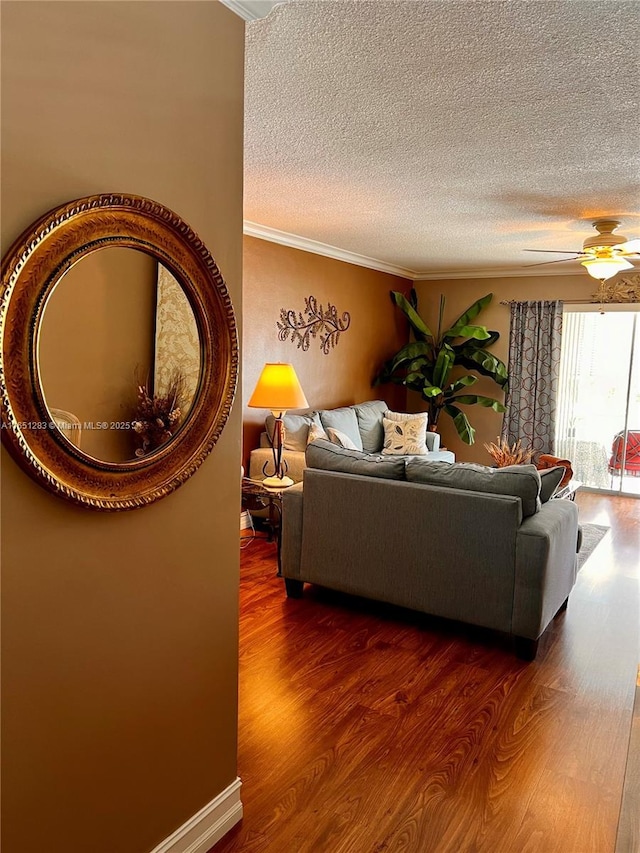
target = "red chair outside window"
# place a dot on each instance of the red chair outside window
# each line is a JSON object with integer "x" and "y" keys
{"x": 631, "y": 462}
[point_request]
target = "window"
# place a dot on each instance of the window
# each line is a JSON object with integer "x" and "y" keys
{"x": 598, "y": 418}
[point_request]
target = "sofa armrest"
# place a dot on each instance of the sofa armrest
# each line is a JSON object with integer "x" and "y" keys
{"x": 545, "y": 566}
{"x": 291, "y": 533}
{"x": 433, "y": 441}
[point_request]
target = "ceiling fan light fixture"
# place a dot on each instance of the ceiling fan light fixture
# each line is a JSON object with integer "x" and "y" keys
{"x": 605, "y": 237}
{"x": 604, "y": 268}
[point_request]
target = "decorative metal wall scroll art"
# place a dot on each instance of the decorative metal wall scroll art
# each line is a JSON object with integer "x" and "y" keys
{"x": 624, "y": 289}
{"x": 300, "y": 326}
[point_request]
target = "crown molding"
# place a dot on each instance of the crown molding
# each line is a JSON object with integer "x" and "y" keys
{"x": 251, "y": 10}
{"x": 294, "y": 241}
{"x": 500, "y": 272}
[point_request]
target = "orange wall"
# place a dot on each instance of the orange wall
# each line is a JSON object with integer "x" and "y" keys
{"x": 119, "y": 630}
{"x": 459, "y": 295}
{"x": 278, "y": 277}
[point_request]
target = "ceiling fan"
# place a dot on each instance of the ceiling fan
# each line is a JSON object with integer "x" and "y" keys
{"x": 602, "y": 255}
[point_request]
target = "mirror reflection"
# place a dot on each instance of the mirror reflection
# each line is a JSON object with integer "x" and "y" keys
{"x": 119, "y": 354}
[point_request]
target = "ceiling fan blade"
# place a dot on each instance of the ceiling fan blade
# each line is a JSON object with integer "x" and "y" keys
{"x": 631, "y": 247}
{"x": 554, "y": 251}
{"x": 544, "y": 263}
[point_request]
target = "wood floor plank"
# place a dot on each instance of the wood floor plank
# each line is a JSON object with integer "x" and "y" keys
{"x": 628, "y": 837}
{"x": 369, "y": 729}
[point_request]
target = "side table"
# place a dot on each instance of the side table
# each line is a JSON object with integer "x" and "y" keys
{"x": 255, "y": 496}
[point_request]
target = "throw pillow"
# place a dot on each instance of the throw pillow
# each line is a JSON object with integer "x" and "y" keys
{"x": 345, "y": 420}
{"x": 551, "y": 479}
{"x": 315, "y": 432}
{"x": 407, "y": 416}
{"x": 340, "y": 438}
{"x": 369, "y": 417}
{"x": 406, "y": 437}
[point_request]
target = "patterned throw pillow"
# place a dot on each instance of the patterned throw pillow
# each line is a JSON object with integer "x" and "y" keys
{"x": 405, "y": 437}
{"x": 340, "y": 438}
{"x": 407, "y": 416}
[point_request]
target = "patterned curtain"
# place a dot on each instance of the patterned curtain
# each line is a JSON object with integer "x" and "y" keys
{"x": 534, "y": 363}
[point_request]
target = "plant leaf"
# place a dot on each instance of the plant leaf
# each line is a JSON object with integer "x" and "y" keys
{"x": 479, "y": 399}
{"x": 472, "y": 343}
{"x": 429, "y": 391}
{"x": 411, "y": 353}
{"x": 415, "y": 378}
{"x": 487, "y": 342}
{"x": 440, "y": 315}
{"x": 473, "y": 310}
{"x": 466, "y": 432}
{"x": 442, "y": 368}
{"x": 420, "y": 328}
{"x": 485, "y": 363}
{"x": 463, "y": 382}
{"x": 479, "y": 332}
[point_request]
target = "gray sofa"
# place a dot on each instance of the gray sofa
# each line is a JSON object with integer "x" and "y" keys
{"x": 361, "y": 422}
{"x": 457, "y": 541}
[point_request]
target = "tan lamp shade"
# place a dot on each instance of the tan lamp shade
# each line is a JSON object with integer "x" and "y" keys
{"x": 278, "y": 389}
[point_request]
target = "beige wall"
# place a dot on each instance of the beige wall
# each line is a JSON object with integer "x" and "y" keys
{"x": 119, "y": 646}
{"x": 278, "y": 277}
{"x": 96, "y": 344}
{"x": 459, "y": 295}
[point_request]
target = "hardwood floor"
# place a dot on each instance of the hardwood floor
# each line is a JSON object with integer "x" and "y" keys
{"x": 366, "y": 728}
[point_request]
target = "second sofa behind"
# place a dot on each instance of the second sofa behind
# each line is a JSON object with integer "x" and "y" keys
{"x": 361, "y": 423}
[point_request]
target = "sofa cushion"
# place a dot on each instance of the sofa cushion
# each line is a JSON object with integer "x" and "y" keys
{"x": 407, "y": 436}
{"x": 550, "y": 480}
{"x": 335, "y": 436}
{"x": 329, "y": 457}
{"x": 296, "y": 429}
{"x": 343, "y": 419}
{"x": 523, "y": 481}
{"x": 369, "y": 417}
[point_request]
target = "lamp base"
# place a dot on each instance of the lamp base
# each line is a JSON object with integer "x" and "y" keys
{"x": 277, "y": 482}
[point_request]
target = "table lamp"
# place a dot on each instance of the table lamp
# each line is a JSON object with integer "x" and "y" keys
{"x": 278, "y": 389}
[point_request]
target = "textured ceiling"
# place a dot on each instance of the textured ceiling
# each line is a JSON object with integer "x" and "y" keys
{"x": 444, "y": 136}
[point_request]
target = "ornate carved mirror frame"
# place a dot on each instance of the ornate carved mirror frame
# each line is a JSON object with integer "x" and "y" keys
{"x": 30, "y": 270}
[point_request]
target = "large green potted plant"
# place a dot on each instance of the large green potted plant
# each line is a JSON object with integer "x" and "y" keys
{"x": 425, "y": 364}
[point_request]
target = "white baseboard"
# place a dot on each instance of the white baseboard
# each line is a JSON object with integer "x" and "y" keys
{"x": 208, "y": 826}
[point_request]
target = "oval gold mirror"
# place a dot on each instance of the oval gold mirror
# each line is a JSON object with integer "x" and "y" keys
{"x": 119, "y": 351}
